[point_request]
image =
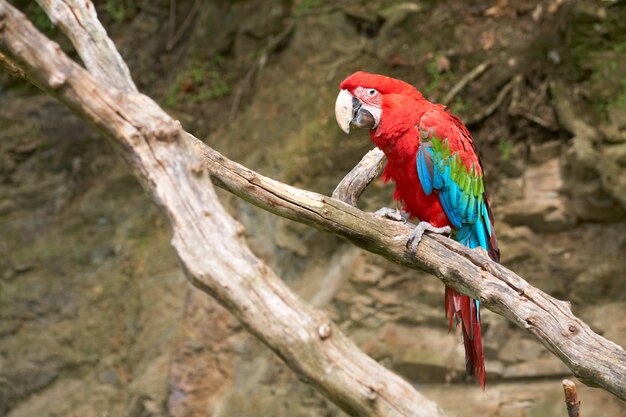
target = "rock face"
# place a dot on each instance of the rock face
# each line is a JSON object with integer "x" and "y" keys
{"x": 541, "y": 205}
{"x": 96, "y": 317}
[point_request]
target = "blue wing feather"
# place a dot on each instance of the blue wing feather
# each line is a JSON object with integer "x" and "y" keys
{"x": 461, "y": 191}
{"x": 425, "y": 175}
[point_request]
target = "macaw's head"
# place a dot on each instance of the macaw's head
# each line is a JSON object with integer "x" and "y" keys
{"x": 360, "y": 101}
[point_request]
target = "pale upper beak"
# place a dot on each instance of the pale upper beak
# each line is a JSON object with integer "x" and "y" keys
{"x": 343, "y": 110}
{"x": 350, "y": 111}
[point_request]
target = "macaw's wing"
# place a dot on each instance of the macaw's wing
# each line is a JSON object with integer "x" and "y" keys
{"x": 447, "y": 162}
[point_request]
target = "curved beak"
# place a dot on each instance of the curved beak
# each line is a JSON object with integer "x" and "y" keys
{"x": 349, "y": 111}
{"x": 343, "y": 110}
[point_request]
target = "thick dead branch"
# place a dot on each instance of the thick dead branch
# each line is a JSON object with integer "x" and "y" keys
{"x": 172, "y": 165}
{"x": 208, "y": 241}
{"x": 352, "y": 185}
{"x": 78, "y": 20}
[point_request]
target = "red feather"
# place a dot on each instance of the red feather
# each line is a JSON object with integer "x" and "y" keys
{"x": 405, "y": 115}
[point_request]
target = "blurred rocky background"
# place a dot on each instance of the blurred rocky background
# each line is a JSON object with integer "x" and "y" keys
{"x": 96, "y": 318}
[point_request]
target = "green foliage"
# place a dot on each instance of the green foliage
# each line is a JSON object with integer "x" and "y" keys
{"x": 598, "y": 49}
{"x": 437, "y": 77}
{"x": 41, "y": 21}
{"x": 619, "y": 101}
{"x": 120, "y": 10}
{"x": 505, "y": 146}
{"x": 39, "y": 18}
{"x": 200, "y": 82}
{"x": 303, "y": 6}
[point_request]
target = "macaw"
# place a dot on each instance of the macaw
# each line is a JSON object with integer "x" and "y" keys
{"x": 433, "y": 161}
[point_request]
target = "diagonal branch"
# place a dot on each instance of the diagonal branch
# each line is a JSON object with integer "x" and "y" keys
{"x": 352, "y": 185}
{"x": 171, "y": 164}
{"x": 592, "y": 358}
{"x": 78, "y": 20}
{"x": 208, "y": 241}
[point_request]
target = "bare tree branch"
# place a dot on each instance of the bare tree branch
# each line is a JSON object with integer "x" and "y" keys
{"x": 352, "y": 185}
{"x": 571, "y": 398}
{"x": 595, "y": 360}
{"x": 79, "y": 21}
{"x": 172, "y": 165}
{"x": 208, "y": 241}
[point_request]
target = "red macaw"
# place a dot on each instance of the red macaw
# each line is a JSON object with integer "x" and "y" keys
{"x": 432, "y": 159}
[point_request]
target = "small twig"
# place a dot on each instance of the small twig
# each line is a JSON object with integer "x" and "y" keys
{"x": 247, "y": 81}
{"x": 568, "y": 118}
{"x": 148, "y": 7}
{"x": 516, "y": 93}
{"x": 279, "y": 40}
{"x": 534, "y": 118}
{"x": 516, "y": 109}
{"x": 171, "y": 43}
{"x": 543, "y": 91}
{"x": 463, "y": 82}
{"x": 352, "y": 185}
{"x": 257, "y": 66}
{"x": 342, "y": 60}
{"x": 348, "y": 56}
{"x": 488, "y": 111}
{"x": 171, "y": 22}
{"x": 571, "y": 398}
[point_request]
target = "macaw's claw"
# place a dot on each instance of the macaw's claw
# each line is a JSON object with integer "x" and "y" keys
{"x": 392, "y": 214}
{"x": 418, "y": 232}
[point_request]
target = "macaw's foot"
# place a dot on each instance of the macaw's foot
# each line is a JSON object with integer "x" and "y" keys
{"x": 419, "y": 230}
{"x": 392, "y": 214}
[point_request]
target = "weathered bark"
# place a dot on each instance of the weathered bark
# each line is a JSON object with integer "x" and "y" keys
{"x": 79, "y": 21}
{"x": 352, "y": 185}
{"x": 172, "y": 165}
{"x": 208, "y": 241}
{"x": 595, "y": 360}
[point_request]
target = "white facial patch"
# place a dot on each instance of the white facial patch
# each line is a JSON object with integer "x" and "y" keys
{"x": 372, "y": 101}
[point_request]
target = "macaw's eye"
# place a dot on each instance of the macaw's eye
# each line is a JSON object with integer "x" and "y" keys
{"x": 372, "y": 92}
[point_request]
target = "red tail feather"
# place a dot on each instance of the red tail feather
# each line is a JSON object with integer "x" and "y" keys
{"x": 464, "y": 310}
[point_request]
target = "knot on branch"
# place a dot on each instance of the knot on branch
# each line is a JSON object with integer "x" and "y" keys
{"x": 572, "y": 330}
{"x": 148, "y": 118}
{"x": 372, "y": 392}
{"x": 162, "y": 129}
{"x": 530, "y": 321}
{"x": 324, "y": 331}
{"x": 57, "y": 79}
{"x": 197, "y": 169}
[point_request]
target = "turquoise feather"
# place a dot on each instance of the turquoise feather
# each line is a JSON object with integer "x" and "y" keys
{"x": 461, "y": 191}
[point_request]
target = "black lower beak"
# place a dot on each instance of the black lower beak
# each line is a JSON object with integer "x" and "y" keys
{"x": 361, "y": 117}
